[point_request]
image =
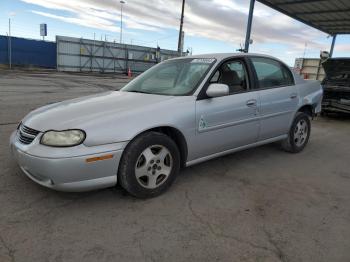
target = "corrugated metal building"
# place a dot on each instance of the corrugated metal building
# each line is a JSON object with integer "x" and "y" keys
{"x": 77, "y": 54}
{"x": 81, "y": 55}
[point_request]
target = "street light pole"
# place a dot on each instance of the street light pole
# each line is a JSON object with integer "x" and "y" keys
{"x": 121, "y": 20}
{"x": 179, "y": 45}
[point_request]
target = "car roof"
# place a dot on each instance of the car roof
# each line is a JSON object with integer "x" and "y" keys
{"x": 222, "y": 56}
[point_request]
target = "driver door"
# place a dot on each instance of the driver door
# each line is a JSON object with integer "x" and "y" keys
{"x": 227, "y": 122}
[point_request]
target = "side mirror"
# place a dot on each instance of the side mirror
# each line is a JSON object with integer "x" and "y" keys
{"x": 216, "y": 90}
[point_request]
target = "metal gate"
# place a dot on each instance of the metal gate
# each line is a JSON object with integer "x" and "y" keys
{"x": 83, "y": 55}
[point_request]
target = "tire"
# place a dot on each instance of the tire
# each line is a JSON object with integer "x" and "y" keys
{"x": 149, "y": 165}
{"x": 298, "y": 135}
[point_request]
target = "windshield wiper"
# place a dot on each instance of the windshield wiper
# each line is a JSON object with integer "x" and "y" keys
{"x": 137, "y": 91}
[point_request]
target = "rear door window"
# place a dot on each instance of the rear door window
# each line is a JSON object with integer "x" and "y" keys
{"x": 272, "y": 73}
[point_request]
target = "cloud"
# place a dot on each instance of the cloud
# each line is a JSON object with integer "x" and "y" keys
{"x": 343, "y": 48}
{"x": 82, "y": 20}
{"x": 223, "y": 20}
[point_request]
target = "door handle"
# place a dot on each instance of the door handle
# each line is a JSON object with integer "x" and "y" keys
{"x": 251, "y": 103}
{"x": 293, "y": 96}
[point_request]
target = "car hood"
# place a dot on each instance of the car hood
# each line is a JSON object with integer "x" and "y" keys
{"x": 337, "y": 70}
{"x": 78, "y": 112}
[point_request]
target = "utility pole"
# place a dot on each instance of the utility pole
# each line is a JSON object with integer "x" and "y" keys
{"x": 122, "y": 2}
{"x": 179, "y": 46}
{"x": 249, "y": 26}
{"x": 10, "y": 46}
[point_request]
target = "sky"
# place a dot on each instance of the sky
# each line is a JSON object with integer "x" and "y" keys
{"x": 211, "y": 26}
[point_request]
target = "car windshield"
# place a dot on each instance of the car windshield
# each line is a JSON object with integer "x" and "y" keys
{"x": 176, "y": 77}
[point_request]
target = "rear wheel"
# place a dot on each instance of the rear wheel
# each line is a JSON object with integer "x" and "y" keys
{"x": 149, "y": 165}
{"x": 299, "y": 134}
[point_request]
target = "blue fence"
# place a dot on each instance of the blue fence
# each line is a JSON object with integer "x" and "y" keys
{"x": 27, "y": 52}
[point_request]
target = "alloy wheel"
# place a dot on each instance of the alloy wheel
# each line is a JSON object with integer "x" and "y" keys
{"x": 153, "y": 166}
{"x": 300, "y": 133}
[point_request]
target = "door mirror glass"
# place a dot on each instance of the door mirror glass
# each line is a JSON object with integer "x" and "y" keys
{"x": 216, "y": 90}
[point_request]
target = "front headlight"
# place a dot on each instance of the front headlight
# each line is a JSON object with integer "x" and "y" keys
{"x": 63, "y": 138}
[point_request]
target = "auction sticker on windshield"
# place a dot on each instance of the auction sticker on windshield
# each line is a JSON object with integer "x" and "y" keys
{"x": 203, "y": 60}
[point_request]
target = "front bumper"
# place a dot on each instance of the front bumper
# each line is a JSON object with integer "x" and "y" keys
{"x": 336, "y": 106}
{"x": 66, "y": 169}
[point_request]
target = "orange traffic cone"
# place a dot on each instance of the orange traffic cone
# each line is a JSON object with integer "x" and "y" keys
{"x": 129, "y": 73}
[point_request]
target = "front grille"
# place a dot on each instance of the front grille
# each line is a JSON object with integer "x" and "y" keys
{"x": 26, "y": 135}
{"x": 337, "y": 95}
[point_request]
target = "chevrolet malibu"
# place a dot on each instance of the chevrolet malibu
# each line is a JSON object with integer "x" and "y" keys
{"x": 178, "y": 113}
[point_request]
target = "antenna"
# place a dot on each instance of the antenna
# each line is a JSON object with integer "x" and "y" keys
{"x": 241, "y": 48}
{"x": 305, "y": 49}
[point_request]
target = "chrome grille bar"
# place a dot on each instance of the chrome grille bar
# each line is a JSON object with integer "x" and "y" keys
{"x": 26, "y": 135}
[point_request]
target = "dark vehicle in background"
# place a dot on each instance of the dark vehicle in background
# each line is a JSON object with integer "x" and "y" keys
{"x": 336, "y": 86}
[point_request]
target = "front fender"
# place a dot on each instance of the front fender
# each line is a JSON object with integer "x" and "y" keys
{"x": 178, "y": 113}
{"x": 311, "y": 93}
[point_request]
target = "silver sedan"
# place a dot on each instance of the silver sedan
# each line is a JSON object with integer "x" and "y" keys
{"x": 181, "y": 112}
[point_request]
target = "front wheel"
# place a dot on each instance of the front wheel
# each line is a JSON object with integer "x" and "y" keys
{"x": 149, "y": 165}
{"x": 299, "y": 134}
